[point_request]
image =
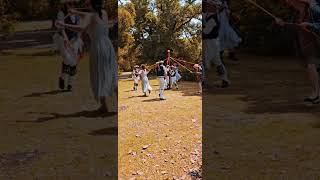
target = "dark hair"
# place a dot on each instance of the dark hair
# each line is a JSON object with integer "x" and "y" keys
{"x": 143, "y": 66}
{"x": 65, "y": 9}
{"x": 97, "y": 6}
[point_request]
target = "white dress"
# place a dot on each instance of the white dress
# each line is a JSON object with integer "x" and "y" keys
{"x": 211, "y": 47}
{"x": 228, "y": 37}
{"x": 145, "y": 81}
{"x": 178, "y": 76}
{"x": 173, "y": 77}
{"x": 135, "y": 77}
{"x": 103, "y": 63}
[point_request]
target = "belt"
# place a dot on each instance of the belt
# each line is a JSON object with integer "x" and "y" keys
{"x": 160, "y": 76}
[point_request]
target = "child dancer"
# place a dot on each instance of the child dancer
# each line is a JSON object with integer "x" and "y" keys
{"x": 71, "y": 51}
{"x": 168, "y": 77}
{"x": 198, "y": 72}
{"x": 161, "y": 73}
{"x": 146, "y": 88}
{"x": 70, "y": 57}
{"x": 135, "y": 77}
{"x": 210, "y": 35}
{"x": 178, "y": 75}
{"x": 173, "y": 74}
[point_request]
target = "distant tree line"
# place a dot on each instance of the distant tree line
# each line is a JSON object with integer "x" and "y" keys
{"x": 28, "y": 10}
{"x": 261, "y": 35}
{"x": 148, "y": 28}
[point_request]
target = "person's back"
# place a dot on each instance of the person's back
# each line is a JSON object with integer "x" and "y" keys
{"x": 160, "y": 71}
{"x": 74, "y": 20}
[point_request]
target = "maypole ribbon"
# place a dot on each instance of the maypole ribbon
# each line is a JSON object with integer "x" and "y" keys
{"x": 168, "y": 60}
{"x": 152, "y": 67}
{"x": 275, "y": 17}
{"x": 182, "y": 65}
{"x": 185, "y": 62}
{"x": 263, "y": 9}
{"x": 307, "y": 30}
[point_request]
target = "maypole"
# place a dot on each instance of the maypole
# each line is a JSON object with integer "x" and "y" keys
{"x": 168, "y": 60}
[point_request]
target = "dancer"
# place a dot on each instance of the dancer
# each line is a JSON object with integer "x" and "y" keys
{"x": 211, "y": 43}
{"x": 198, "y": 72}
{"x": 69, "y": 45}
{"x": 161, "y": 74}
{"x": 135, "y": 77}
{"x": 228, "y": 37}
{"x": 178, "y": 75}
{"x": 146, "y": 88}
{"x": 168, "y": 78}
{"x": 173, "y": 74}
{"x": 103, "y": 63}
{"x": 308, "y": 17}
{"x": 70, "y": 59}
{"x": 203, "y": 74}
{"x": 69, "y": 52}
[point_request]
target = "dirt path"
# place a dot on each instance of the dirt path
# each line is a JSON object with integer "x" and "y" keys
{"x": 49, "y": 134}
{"x": 259, "y": 128}
{"x": 159, "y": 139}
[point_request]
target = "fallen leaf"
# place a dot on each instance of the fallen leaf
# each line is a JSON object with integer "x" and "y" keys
{"x": 164, "y": 172}
{"x": 145, "y": 147}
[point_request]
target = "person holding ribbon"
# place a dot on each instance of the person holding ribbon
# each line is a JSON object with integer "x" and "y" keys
{"x": 228, "y": 37}
{"x": 103, "y": 63}
{"x": 308, "y": 22}
{"x": 211, "y": 43}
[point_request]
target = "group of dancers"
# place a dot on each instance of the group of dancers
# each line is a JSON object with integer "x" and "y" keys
{"x": 71, "y": 24}
{"x": 168, "y": 77}
{"x": 218, "y": 35}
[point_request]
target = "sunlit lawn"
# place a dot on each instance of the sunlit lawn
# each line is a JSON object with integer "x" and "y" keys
{"x": 170, "y": 129}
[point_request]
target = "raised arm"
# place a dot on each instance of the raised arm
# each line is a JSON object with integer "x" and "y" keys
{"x": 78, "y": 28}
{"x": 80, "y": 13}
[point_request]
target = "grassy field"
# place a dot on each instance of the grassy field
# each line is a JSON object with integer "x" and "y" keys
{"x": 159, "y": 139}
{"x": 259, "y": 128}
{"x": 50, "y": 134}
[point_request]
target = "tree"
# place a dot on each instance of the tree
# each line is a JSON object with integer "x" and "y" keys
{"x": 125, "y": 39}
{"x": 7, "y": 18}
{"x": 164, "y": 24}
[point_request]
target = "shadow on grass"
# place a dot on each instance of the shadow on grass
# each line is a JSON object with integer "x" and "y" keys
{"x": 55, "y": 116}
{"x": 152, "y": 100}
{"x": 267, "y": 85}
{"x": 129, "y": 91}
{"x": 188, "y": 88}
{"x": 112, "y": 131}
{"x": 136, "y": 96}
{"x": 39, "y": 94}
